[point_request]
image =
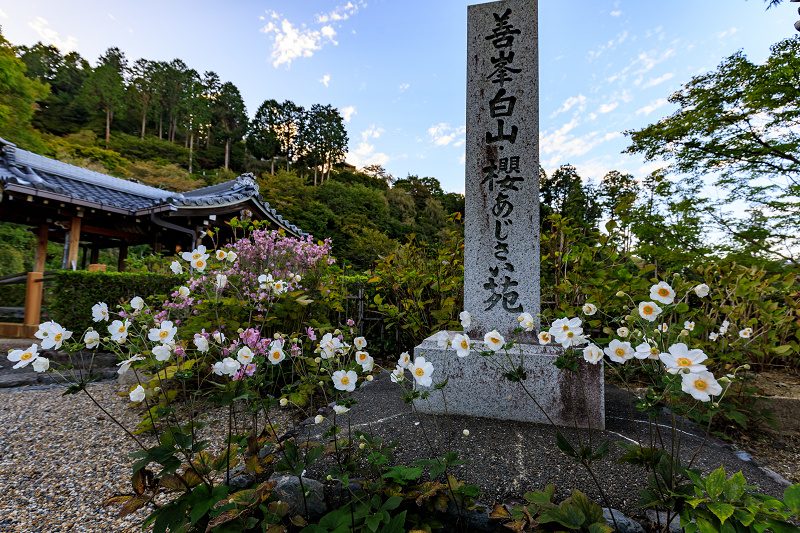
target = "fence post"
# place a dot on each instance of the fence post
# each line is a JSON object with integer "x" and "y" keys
{"x": 33, "y": 299}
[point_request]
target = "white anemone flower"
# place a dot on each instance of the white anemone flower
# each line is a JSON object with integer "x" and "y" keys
{"x": 92, "y": 339}
{"x": 360, "y": 343}
{"x": 461, "y": 342}
{"x": 201, "y": 343}
{"x": 345, "y": 381}
{"x": 329, "y": 345}
{"x": 226, "y": 367}
{"x": 701, "y": 385}
{"x": 746, "y": 333}
{"x": 340, "y": 409}
{"x": 679, "y": 358}
{"x": 41, "y": 364}
{"x": 56, "y": 337}
{"x": 24, "y": 357}
{"x": 43, "y": 332}
{"x": 119, "y": 330}
{"x": 319, "y": 419}
{"x": 644, "y": 351}
{"x": 162, "y": 352}
{"x": 276, "y": 354}
{"x": 494, "y": 341}
{"x": 222, "y": 280}
{"x": 619, "y": 351}
{"x": 184, "y": 291}
{"x": 165, "y": 333}
{"x": 404, "y": 360}
{"x": 526, "y": 321}
{"x": 176, "y": 267}
{"x": 221, "y": 255}
{"x": 194, "y": 255}
{"x": 589, "y": 309}
{"x": 362, "y": 357}
{"x": 264, "y": 280}
{"x": 561, "y": 326}
{"x": 688, "y": 325}
{"x": 125, "y": 365}
{"x": 712, "y": 336}
{"x": 649, "y": 311}
{"x": 422, "y": 371}
{"x": 231, "y": 256}
{"x": 442, "y": 339}
{"x": 137, "y": 303}
{"x": 219, "y": 337}
{"x": 662, "y": 292}
{"x": 702, "y": 290}
{"x": 466, "y": 319}
{"x": 592, "y": 354}
{"x": 137, "y": 394}
{"x": 99, "y": 312}
{"x": 279, "y": 287}
{"x": 544, "y": 337}
{"x": 623, "y": 332}
{"x": 398, "y": 374}
{"x": 367, "y": 365}
{"x": 245, "y": 355}
{"x": 199, "y": 264}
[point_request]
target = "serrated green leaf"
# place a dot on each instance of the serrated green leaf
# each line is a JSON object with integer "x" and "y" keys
{"x": 791, "y": 497}
{"x": 715, "y": 482}
{"x": 722, "y": 510}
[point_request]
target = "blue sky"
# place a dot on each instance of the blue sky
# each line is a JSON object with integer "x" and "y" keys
{"x": 396, "y": 69}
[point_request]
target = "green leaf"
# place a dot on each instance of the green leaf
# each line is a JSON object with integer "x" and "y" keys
{"x": 564, "y": 445}
{"x": 706, "y": 526}
{"x": 592, "y": 511}
{"x": 734, "y": 487}
{"x": 791, "y": 497}
{"x": 722, "y": 510}
{"x": 566, "y": 514}
{"x": 715, "y": 482}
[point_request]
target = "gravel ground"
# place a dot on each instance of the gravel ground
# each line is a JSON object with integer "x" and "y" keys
{"x": 60, "y": 457}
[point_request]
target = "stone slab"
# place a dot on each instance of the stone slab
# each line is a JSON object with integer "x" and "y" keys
{"x": 476, "y": 387}
{"x": 501, "y": 244}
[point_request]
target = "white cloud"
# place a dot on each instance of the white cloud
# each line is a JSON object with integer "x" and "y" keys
{"x": 558, "y": 147}
{"x": 655, "y": 81}
{"x": 725, "y": 33}
{"x": 111, "y": 16}
{"x": 607, "y": 108}
{"x": 462, "y": 159}
{"x": 348, "y": 112}
{"x": 291, "y": 42}
{"x": 3, "y": 14}
{"x": 49, "y": 36}
{"x": 661, "y": 102}
{"x": 372, "y": 133}
{"x": 616, "y": 13}
{"x": 366, "y": 155}
{"x": 325, "y": 79}
{"x": 339, "y": 13}
{"x": 443, "y": 134}
{"x": 610, "y": 45}
{"x": 569, "y": 103}
{"x": 404, "y": 86}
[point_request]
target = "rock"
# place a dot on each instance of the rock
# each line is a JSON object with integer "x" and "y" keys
{"x": 288, "y": 490}
{"x": 19, "y": 380}
{"x": 661, "y": 517}
{"x": 779, "y": 479}
{"x": 478, "y": 518}
{"x": 624, "y": 524}
{"x": 242, "y": 481}
{"x": 744, "y": 456}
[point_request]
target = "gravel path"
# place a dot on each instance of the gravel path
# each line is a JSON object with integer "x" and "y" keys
{"x": 60, "y": 458}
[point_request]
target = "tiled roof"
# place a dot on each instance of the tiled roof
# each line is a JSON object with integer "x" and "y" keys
{"x": 38, "y": 173}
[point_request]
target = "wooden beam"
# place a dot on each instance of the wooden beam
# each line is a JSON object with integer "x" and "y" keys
{"x": 41, "y": 248}
{"x": 112, "y": 233}
{"x": 74, "y": 241}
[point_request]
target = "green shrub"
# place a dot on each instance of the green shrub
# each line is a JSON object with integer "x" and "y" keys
{"x": 75, "y": 292}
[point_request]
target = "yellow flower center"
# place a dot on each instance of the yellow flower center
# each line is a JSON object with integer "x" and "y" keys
{"x": 345, "y": 380}
{"x": 58, "y": 336}
{"x": 654, "y": 351}
{"x": 494, "y": 340}
{"x": 419, "y": 371}
{"x": 565, "y": 327}
{"x": 200, "y": 264}
{"x": 663, "y": 292}
{"x": 163, "y": 334}
{"x": 683, "y": 361}
{"x": 620, "y": 352}
{"x": 122, "y": 329}
{"x": 26, "y": 356}
{"x": 699, "y": 384}
{"x": 546, "y": 336}
{"x": 647, "y": 310}
{"x": 571, "y": 334}
{"x": 196, "y": 256}
{"x": 464, "y": 344}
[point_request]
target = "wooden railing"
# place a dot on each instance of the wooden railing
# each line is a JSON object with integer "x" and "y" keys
{"x": 34, "y": 289}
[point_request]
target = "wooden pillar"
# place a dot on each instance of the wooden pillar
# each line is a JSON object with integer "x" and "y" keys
{"x": 123, "y": 256}
{"x": 95, "y": 255}
{"x": 41, "y": 248}
{"x": 33, "y": 299}
{"x": 84, "y": 257}
{"x": 74, "y": 241}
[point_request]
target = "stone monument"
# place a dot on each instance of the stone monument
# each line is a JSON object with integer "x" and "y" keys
{"x": 501, "y": 257}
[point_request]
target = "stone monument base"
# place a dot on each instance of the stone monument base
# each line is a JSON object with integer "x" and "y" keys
{"x": 476, "y": 387}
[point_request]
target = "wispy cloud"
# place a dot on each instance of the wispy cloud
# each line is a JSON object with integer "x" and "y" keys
{"x": 661, "y": 102}
{"x": 291, "y": 41}
{"x": 723, "y": 34}
{"x": 3, "y": 14}
{"x": 655, "y": 81}
{"x": 325, "y": 80}
{"x": 559, "y": 146}
{"x": 373, "y": 132}
{"x": 49, "y": 36}
{"x": 403, "y": 87}
{"x": 348, "y": 112}
{"x": 443, "y": 134}
{"x": 616, "y": 13}
{"x": 365, "y": 155}
{"x": 571, "y": 102}
{"x": 609, "y": 45}
{"x": 609, "y": 107}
